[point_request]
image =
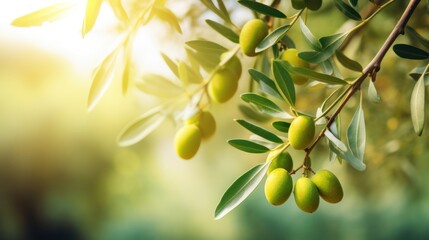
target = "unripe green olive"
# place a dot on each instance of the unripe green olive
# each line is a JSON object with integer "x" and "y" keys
{"x": 314, "y": 4}
{"x": 299, "y": 4}
{"x": 205, "y": 121}
{"x": 251, "y": 35}
{"x": 187, "y": 141}
{"x": 278, "y": 186}
{"x": 328, "y": 185}
{"x": 301, "y": 132}
{"x": 306, "y": 195}
{"x": 222, "y": 85}
{"x": 291, "y": 55}
{"x": 284, "y": 160}
{"x": 234, "y": 65}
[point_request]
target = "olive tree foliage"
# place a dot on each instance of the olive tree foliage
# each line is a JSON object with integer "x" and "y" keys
{"x": 210, "y": 74}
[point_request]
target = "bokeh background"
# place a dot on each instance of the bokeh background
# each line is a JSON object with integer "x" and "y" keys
{"x": 62, "y": 175}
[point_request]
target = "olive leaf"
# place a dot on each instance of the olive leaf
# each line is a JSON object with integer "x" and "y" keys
{"x": 412, "y": 33}
{"x": 348, "y": 10}
{"x": 372, "y": 93}
{"x": 221, "y": 12}
{"x": 284, "y": 82}
{"x": 223, "y": 30}
{"x": 248, "y": 146}
{"x": 309, "y": 37}
{"x": 91, "y": 14}
{"x": 167, "y": 16}
{"x": 341, "y": 150}
{"x": 347, "y": 62}
{"x": 265, "y": 105}
{"x": 102, "y": 77}
{"x": 329, "y": 45}
{"x": 418, "y": 104}
{"x": 281, "y": 126}
{"x": 267, "y": 84}
{"x": 262, "y": 132}
{"x": 356, "y": 134}
{"x": 171, "y": 65}
{"x": 272, "y": 38}
{"x": 262, "y": 8}
{"x": 46, "y": 14}
{"x": 410, "y": 52}
{"x": 240, "y": 190}
{"x": 157, "y": 85}
{"x": 119, "y": 10}
{"x": 308, "y": 73}
{"x": 253, "y": 113}
{"x": 141, "y": 127}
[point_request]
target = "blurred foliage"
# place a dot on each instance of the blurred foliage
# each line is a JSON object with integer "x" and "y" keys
{"x": 62, "y": 176}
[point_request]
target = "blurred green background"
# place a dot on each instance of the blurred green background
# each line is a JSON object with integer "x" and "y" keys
{"x": 62, "y": 175}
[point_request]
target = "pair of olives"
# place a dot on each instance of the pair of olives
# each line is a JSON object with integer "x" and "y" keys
{"x": 278, "y": 188}
{"x": 197, "y": 128}
{"x": 224, "y": 82}
{"x": 253, "y": 32}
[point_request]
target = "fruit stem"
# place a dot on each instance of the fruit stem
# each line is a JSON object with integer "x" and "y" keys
{"x": 372, "y": 68}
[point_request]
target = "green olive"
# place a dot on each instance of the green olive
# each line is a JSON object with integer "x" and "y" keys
{"x": 251, "y": 35}
{"x": 222, "y": 85}
{"x": 314, "y": 4}
{"x": 187, "y": 141}
{"x": 205, "y": 121}
{"x": 234, "y": 65}
{"x": 291, "y": 55}
{"x": 328, "y": 185}
{"x": 284, "y": 160}
{"x": 299, "y": 4}
{"x": 301, "y": 132}
{"x": 278, "y": 186}
{"x": 306, "y": 195}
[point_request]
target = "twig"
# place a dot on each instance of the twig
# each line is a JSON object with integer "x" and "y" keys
{"x": 372, "y": 68}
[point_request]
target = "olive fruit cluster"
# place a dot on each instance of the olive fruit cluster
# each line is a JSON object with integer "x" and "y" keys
{"x": 291, "y": 55}
{"x": 224, "y": 82}
{"x": 310, "y": 4}
{"x": 197, "y": 128}
{"x": 251, "y": 35}
{"x": 307, "y": 192}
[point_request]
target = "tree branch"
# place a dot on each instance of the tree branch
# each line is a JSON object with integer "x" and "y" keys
{"x": 372, "y": 68}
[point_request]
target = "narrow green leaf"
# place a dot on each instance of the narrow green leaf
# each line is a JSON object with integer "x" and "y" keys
{"x": 159, "y": 86}
{"x": 171, "y": 64}
{"x": 140, "y": 128}
{"x": 347, "y": 62}
{"x": 223, "y": 30}
{"x": 411, "y": 32}
{"x": 372, "y": 93}
{"x": 356, "y": 134}
{"x": 210, "y": 5}
{"x": 269, "y": 86}
{"x": 262, "y": 8}
{"x": 91, "y": 14}
{"x": 329, "y": 45}
{"x": 410, "y": 52}
{"x": 353, "y": 2}
{"x": 272, "y": 38}
{"x": 207, "y": 61}
{"x": 223, "y": 9}
{"x": 417, "y": 72}
{"x": 259, "y": 131}
{"x": 338, "y": 148}
{"x": 102, "y": 77}
{"x": 309, "y": 37}
{"x": 167, "y": 16}
{"x": 248, "y": 146}
{"x": 266, "y": 105}
{"x": 206, "y": 47}
{"x": 348, "y": 10}
{"x": 253, "y": 113}
{"x": 284, "y": 82}
{"x": 418, "y": 106}
{"x": 281, "y": 126}
{"x": 240, "y": 190}
{"x": 119, "y": 10}
{"x": 308, "y": 73}
{"x": 188, "y": 75}
{"x": 46, "y": 14}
